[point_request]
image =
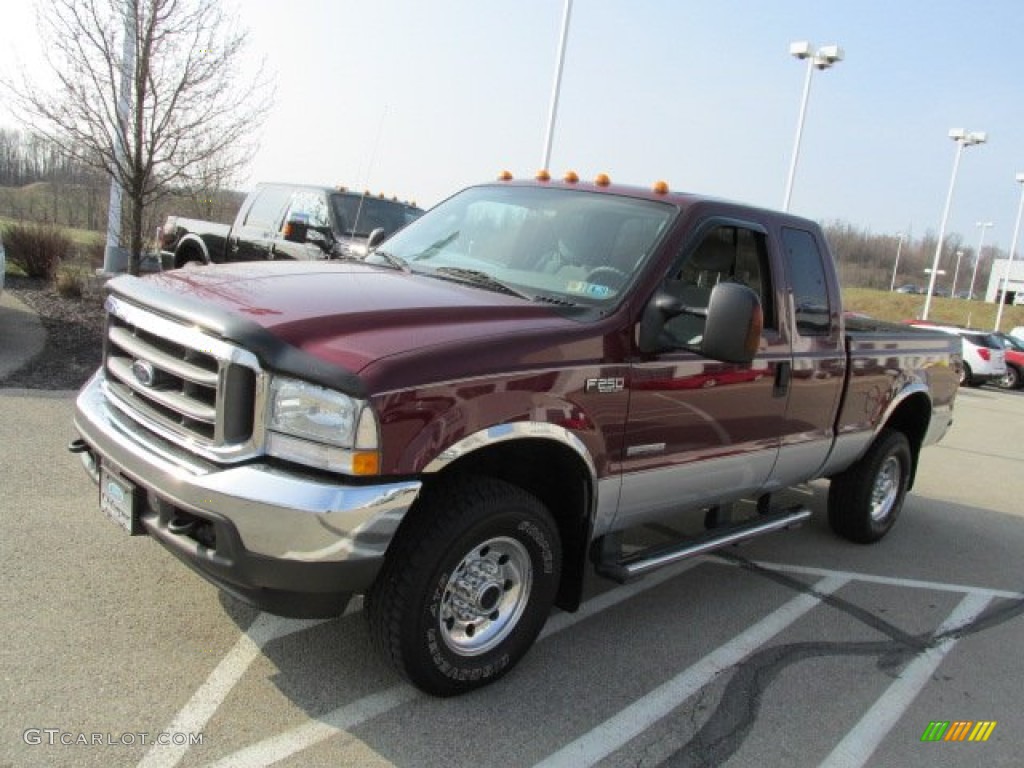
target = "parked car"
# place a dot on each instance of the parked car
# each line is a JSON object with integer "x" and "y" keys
{"x": 910, "y": 288}
{"x": 984, "y": 354}
{"x": 1014, "y": 349}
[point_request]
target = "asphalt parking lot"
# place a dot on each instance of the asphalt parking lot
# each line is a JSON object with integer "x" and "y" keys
{"x": 797, "y": 649}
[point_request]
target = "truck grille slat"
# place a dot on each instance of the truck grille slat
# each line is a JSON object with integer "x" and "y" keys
{"x": 181, "y": 368}
{"x": 189, "y": 387}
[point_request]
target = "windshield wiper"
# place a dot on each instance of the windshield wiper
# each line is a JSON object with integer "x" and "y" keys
{"x": 390, "y": 259}
{"x": 478, "y": 278}
{"x": 432, "y": 250}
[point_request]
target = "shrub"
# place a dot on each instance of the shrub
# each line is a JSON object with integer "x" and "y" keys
{"x": 70, "y": 280}
{"x": 36, "y": 248}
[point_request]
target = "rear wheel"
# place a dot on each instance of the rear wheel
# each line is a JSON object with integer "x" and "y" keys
{"x": 1010, "y": 379}
{"x": 865, "y": 500}
{"x": 467, "y": 585}
{"x": 965, "y": 375}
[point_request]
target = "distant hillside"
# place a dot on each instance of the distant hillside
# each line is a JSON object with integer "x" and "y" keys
{"x": 84, "y": 206}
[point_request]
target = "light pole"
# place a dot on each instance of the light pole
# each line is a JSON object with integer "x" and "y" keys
{"x": 983, "y": 225}
{"x": 963, "y": 139}
{"x": 896, "y": 265}
{"x": 956, "y": 273}
{"x": 1001, "y": 295}
{"x": 823, "y": 58}
{"x": 553, "y": 112}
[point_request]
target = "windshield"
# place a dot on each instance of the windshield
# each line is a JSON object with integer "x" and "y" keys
{"x": 565, "y": 245}
{"x": 359, "y": 215}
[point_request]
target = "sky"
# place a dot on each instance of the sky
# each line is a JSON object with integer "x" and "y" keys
{"x": 419, "y": 98}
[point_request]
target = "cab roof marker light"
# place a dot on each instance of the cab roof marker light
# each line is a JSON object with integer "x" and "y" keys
{"x": 543, "y": 175}
{"x": 661, "y": 187}
{"x": 602, "y": 180}
{"x": 571, "y": 177}
{"x": 505, "y": 176}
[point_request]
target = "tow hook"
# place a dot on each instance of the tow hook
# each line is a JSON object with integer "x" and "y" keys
{"x": 88, "y": 458}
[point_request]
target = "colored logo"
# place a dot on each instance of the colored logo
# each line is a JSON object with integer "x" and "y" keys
{"x": 958, "y": 730}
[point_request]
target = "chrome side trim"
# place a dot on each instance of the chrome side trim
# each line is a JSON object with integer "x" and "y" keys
{"x": 516, "y": 430}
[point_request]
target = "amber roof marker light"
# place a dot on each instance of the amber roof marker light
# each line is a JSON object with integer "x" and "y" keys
{"x": 571, "y": 177}
{"x": 543, "y": 175}
{"x": 505, "y": 176}
{"x": 660, "y": 187}
{"x": 602, "y": 180}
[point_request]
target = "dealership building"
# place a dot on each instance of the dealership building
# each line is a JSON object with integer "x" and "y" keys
{"x": 1014, "y": 283}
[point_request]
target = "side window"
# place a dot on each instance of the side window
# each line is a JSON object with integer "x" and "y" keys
{"x": 810, "y": 290}
{"x": 725, "y": 254}
{"x": 266, "y": 211}
{"x": 309, "y": 207}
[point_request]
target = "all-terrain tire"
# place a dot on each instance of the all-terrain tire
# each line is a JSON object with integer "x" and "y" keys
{"x": 865, "y": 500}
{"x": 467, "y": 585}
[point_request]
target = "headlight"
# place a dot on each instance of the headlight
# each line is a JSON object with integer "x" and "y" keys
{"x": 322, "y": 428}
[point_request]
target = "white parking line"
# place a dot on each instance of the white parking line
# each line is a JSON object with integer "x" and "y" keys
{"x": 630, "y": 722}
{"x": 600, "y": 741}
{"x": 270, "y": 751}
{"x": 276, "y": 748}
{"x": 200, "y": 708}
{"x": 859, "y": 744}
{"x": 891, "y": 581}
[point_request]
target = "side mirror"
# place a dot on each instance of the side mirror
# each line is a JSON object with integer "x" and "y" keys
{"x": 376, "y": 238}
{"x": 734, "y": 324}
{"x": 733, "y": 321}
{"x": 295, "y": 231}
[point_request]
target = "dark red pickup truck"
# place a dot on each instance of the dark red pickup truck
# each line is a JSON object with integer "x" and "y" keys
{"x": 502, "y": 398}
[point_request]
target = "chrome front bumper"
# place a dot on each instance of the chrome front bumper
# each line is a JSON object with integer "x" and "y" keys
{"x": 281, "y": 535}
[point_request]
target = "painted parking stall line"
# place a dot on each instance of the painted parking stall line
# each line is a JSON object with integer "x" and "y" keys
{"x": 291, "y": 742}
{"x": 632, "y": 721}
{"x": 864, "y": 738}
{"x": 205, "y": 702}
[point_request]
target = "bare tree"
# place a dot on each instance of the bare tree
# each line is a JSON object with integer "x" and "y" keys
{"x": 191, "y": 117}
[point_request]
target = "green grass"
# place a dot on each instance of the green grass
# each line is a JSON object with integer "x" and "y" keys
{"x": 898, "y": 307}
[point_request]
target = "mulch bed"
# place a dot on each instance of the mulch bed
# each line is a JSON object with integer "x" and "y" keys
{"x": 74, "y": 335}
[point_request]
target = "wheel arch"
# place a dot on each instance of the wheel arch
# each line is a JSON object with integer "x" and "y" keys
{"x": 548, "y": 462}
{"x": 188, "y": 249}
{"x": 911, "y": 417}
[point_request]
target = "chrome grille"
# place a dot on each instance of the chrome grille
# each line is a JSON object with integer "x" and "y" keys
{"x": 189, "y": 386}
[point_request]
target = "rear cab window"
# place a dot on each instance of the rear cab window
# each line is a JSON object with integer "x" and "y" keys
{"x": 810, "y": 286}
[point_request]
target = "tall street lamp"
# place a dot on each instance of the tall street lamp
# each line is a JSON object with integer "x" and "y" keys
{"x": 1001, "y": 295}
{"x": 823, "y": 58}
{"x": 549, "y": 136}
{"x": 983, "y": 225}
{"x": 963, "y": 139}
{"x": 896, "y": 265}
{"x": 956, "y": 272}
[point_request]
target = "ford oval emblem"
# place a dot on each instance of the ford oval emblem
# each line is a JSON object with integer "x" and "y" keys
{"x": 144, "y": 372}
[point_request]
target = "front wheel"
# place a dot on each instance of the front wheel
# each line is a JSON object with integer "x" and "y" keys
{"x": 467, "y": 585}
{"x": 865, "y": 500}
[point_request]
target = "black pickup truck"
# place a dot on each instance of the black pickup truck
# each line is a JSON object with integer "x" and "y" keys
{"x": 288, "y": 221}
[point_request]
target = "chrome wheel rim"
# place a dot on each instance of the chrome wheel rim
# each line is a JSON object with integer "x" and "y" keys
{"x": 887, "y": 485}
{"x": 485, "y": 596}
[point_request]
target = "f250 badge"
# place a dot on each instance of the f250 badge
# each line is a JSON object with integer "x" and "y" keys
{"x": 604, "y": 386}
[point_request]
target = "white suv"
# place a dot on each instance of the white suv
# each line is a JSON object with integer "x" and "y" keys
{"x": 984, "y": 356}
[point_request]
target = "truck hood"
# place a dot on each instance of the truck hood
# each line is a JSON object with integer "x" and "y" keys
{"x": 361, "y": 318}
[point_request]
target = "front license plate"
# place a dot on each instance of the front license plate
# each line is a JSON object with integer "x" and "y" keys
{"x": 117, "y": 501}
